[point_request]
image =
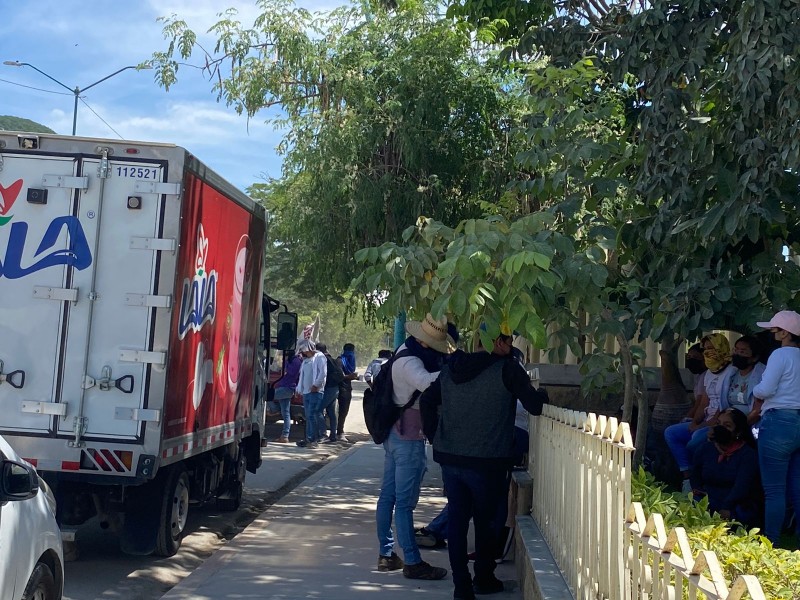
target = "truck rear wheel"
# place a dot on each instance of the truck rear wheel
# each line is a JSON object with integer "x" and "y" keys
{"x": 174, "y": 512}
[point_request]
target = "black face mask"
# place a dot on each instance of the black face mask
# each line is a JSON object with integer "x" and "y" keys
{"x": 721, "y": 435}
{"x": 695, "y": 365}
{"x": 740, "y": 362}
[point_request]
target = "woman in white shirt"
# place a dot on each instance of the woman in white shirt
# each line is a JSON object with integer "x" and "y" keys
{"x": 779, "y": 433}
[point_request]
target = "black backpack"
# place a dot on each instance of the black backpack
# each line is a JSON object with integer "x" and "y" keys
{"x": 380, "y": 411}
{"x": 335, "y": 374}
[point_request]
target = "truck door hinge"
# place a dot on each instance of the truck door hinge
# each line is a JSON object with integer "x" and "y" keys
{"x": 149, "y": 301}
{"x": 44, "y": 408}
{"x": 155, "y": 244}
{"x": 143, "y": 356}
{"x": 64, "y": 181}
{"x": 123, "y": 413}
{"x": 52, "y": 293}
{"x": 145, "y": 186}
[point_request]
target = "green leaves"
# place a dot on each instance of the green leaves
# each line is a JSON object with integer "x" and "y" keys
{"x": 489, "y": 271}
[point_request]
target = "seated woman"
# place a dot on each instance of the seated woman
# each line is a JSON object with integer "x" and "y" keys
{"x": 725, "y": 468}
{"x": 684, "y": 438}
{"x": 739, "y": 393}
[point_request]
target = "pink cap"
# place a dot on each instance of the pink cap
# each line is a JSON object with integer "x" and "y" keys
{"x": 786, "y": 319}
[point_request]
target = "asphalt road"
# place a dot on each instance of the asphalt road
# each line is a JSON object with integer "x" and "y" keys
{"x": 103, "y": 571}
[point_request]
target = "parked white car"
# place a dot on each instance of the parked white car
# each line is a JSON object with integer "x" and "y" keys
{"x": 31, "y": 558}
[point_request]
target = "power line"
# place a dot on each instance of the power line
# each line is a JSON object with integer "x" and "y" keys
{"x": 101, "y": 118}
{"x": 30, "y": 87}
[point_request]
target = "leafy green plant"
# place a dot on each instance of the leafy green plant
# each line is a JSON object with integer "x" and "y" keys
{"x": 740, "y": 551}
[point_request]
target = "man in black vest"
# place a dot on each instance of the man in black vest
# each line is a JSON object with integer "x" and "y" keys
{"x": 468, "y": 414}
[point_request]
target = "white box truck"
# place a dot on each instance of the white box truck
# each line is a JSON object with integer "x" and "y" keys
{"x": 132, "y": 324}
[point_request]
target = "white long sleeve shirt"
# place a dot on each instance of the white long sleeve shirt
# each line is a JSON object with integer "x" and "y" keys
{"x": 409, "y": 375}
{"x": 781, "y": 380}
{"x": 313, "y": 372}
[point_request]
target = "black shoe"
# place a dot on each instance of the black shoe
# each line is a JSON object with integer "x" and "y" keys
{"x": 487, "y": 586}
{"x": 302, "y": 444}
{"x": 423, "y": 570}
{"x": 466, "y": 594}
{"x": 389, "y": 563}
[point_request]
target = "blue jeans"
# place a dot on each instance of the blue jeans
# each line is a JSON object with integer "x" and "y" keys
{"x": 311, "y": 405}
{"x": 474, "y": 495}
{"x": 438, "y": 527}
{"x": 403, "y": 467}
{"x": 283, "y": 396}
{"x": 328, "y": 408}
{"x": 683, "y": 443}
{"x": 779, "y": 460}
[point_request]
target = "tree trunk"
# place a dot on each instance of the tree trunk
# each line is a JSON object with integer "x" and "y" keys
{"x": 673, "y": 402}
{"x": 635, "y": 391}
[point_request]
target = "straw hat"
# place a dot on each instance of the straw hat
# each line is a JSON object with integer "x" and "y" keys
{"x": 433, "y": 332}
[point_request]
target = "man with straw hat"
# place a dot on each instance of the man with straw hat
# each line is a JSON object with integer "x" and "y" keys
{"x": 416, "y": 365}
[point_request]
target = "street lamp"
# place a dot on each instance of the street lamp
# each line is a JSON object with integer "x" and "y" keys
{"x": 76, "y": 91}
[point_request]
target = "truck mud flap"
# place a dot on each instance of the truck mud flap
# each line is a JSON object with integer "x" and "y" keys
{"x": 139, "y": 533}
{"x": 252, "y": 451}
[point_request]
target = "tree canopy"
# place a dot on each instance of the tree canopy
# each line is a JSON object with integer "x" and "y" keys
{"x": 388, "y": 115}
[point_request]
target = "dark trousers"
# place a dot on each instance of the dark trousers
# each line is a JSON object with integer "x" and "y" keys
{"x": 344, "y": 407}
{"x": 475, "y": 495}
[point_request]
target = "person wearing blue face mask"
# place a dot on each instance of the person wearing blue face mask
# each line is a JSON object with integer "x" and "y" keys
{"x": 347, "y": 362}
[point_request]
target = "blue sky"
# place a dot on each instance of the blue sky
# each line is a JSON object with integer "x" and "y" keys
{"x": 81, "y": 41}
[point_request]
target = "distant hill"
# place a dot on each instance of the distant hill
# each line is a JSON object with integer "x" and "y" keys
{"x": 9, "y": 123}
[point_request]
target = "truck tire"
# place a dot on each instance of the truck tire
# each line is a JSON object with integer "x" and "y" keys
{"x": 41, "y": 585}
{"x": 174, "y": 511}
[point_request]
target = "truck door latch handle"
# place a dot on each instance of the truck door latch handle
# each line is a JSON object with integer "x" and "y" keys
{"x": 124, "y": 384}
{"x": 15, "y": 379}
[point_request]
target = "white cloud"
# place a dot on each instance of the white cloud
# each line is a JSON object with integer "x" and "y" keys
{"x": 81, "y": 41}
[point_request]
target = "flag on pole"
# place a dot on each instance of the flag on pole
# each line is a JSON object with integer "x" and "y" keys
{"x": 311, "y": 331}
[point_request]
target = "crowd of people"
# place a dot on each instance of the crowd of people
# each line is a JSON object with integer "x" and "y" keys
{"x": 466, "y": 405}
{"x": 325, "y": 387}
{"x": 740, "y": 443}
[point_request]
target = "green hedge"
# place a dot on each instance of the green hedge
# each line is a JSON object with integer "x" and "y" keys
{"x": 740, "y": 552}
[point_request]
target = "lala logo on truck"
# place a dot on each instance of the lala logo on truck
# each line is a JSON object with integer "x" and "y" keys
{"x": 77, "y": 254}
{"x": 199, "y": 298}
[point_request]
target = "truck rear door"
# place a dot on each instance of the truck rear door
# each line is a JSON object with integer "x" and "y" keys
{"x": 41, "y": 244}
{"x": 84, "y": 297}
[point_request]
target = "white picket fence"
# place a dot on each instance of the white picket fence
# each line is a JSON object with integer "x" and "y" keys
{"x": 604, "y": 545}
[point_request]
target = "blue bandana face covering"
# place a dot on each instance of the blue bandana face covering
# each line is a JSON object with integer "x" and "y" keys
{"x": 348, "y": 361}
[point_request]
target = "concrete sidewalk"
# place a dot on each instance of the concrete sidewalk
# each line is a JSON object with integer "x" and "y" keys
{"x": 319, "y": 542}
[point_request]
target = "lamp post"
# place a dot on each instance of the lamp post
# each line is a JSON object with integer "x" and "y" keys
{"x": 77, "y": 90}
